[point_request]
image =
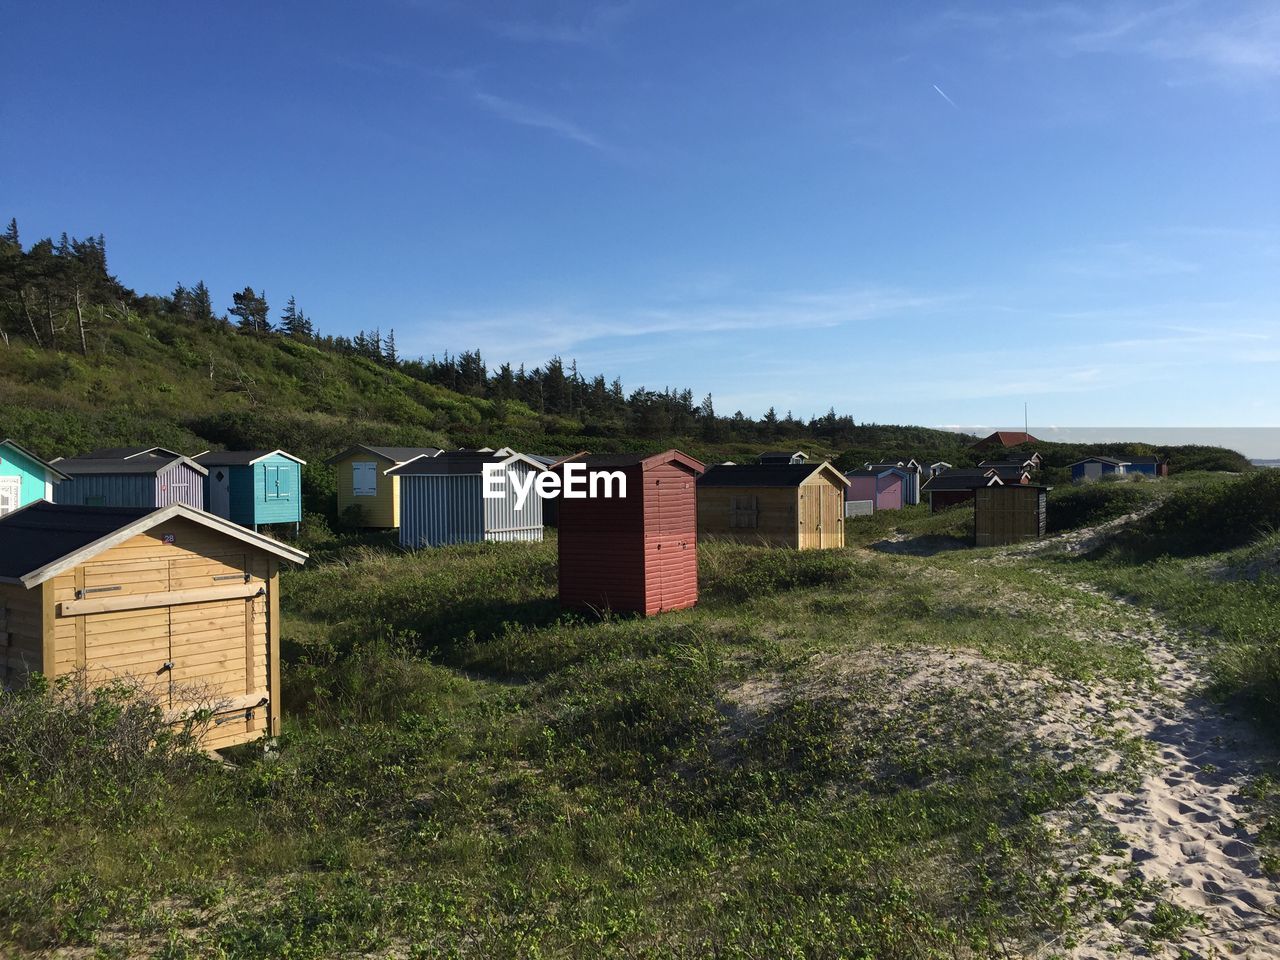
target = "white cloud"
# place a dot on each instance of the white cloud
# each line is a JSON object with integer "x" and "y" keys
{"x": 533, "y": 334}
{"x": 528, "y": 116}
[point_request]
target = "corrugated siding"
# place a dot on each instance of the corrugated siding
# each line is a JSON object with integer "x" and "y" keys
{"x": 108, "y": 490}
{"x": 502, "y": 521}
{"x": 179, "y": 484}
{"x": 601, "y": 550}
{"x": 439, "y": 510}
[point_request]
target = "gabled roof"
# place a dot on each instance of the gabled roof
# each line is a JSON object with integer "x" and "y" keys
{"x": 45, "y": 539}
{"x": 54, "y": 473}
{"x": 911, "y": 465}
{"x": 240, "y": 458}
{"x": 150, "y": 461}
{"x": 875, "y": 471}
{"x": 129, "y": 453}
{"x": 967, "y": 479}
{"x": 1146, "y": 458}
{"x": 768, "y": 475}
{"x": 460, "y": 463}
{"x": 645, "y": 461}
{"x": 1006, "y": 438}
{"x": 1111, "y": 460}
{"x": 781, "y": 454}
{"x": 1027, "y": 464}
{"x": 392, "y": 455}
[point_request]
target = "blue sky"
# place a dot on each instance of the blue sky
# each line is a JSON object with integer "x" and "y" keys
{"x": 913, "y": 212}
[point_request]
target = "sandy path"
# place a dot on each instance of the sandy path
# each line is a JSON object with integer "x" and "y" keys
{"x": 1186, "y": 823}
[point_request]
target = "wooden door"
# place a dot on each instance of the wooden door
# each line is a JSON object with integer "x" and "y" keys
{"x": 810, "y": 516}
{"x": 127, "y": 643}
{"x": 216, "y": 650}
{"x": 832, "y": 517}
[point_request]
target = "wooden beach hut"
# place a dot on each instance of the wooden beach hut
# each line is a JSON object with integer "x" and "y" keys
{"x": 954, "y": 487}
{"x": 442, "y": 499}
{"x": 175, "y": 598}
{"x": 782, "y": 505}
{"x": 637, "y": 553}
{"x": 1009, "y": 513}
{"x": 254, "y": 488}
{"x": 24, "y": 477}
{"x": 364, "y": 486}
{"x": 130, "y": 477}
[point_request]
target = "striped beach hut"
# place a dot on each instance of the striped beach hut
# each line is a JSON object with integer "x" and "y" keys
{"x": 442, "y": 498}
{"x": 130, "y": 477}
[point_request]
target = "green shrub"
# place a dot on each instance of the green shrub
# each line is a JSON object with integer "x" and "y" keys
{"x": 69, "y": 749}
{"x": 1082, "y": 506}
{"x": 1207, "y": 519}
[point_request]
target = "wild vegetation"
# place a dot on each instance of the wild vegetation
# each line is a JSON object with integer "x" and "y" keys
{"x": 831, "y": 755}
{"x": 835, "y": 754}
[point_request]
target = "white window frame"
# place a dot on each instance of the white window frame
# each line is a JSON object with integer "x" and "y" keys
{"x": 281, "y": 491}
{"x": 367, "y": 467}
{"x": 12, "y": 502}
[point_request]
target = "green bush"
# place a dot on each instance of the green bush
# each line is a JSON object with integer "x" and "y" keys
{"x": 1082, "y": 506}
{"x": 71, "y": 749}
{"x": 1207, "y": 519}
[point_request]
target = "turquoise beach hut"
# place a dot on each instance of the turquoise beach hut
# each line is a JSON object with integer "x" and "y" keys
{"x": 24, "y": 477}
{"x": 254, "y": 488}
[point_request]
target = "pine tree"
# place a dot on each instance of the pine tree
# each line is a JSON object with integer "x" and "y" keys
{"x": 389, "y": 355}
{"x": 11, "y": 234}
{"x": 181, "y": 301}
{"x": 201, "y": 303}
{"x": 251, "y": 309}
{"x": 710, "y": 423}
{"x": 289, "y": 317}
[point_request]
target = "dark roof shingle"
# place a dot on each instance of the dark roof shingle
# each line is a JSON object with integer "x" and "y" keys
{"x": 41, "y": 533}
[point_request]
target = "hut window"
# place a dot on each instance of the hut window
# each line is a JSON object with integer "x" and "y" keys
{"x": 276, "y": 485}
{"x": 744, "y": 512}
{"x": 364, "y": 479}
{"x": 10, "y": 494}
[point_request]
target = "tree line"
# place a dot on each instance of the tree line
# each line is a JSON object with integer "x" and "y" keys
{"x": 61, "y": 295}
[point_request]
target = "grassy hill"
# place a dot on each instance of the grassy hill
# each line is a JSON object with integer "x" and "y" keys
{"x": 156, "y": 379}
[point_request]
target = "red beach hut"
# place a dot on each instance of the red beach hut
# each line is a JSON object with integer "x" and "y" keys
{"x": 639, "y": 553}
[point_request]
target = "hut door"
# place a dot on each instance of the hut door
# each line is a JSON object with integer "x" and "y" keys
{"x": 810, "y": 533}
{"x": 127, "y": 643}
{"x": 215, "y": 644}
{"x": 220, "y": 492}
